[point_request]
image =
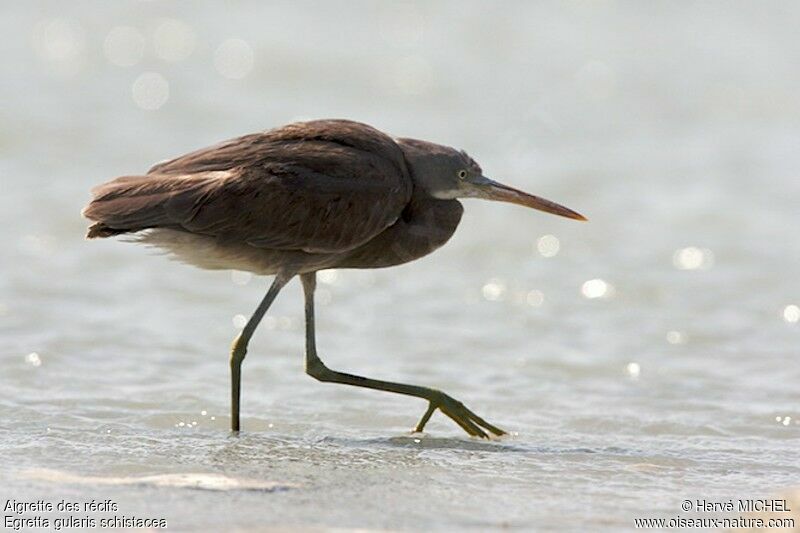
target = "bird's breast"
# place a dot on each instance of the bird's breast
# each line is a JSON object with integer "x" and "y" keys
{"x": 424, "y": 225}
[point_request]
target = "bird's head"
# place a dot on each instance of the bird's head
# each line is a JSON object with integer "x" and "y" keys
{"x": 447, "y": 173}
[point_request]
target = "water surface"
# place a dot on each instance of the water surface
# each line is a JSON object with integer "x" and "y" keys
{"x": 646, "y": 357}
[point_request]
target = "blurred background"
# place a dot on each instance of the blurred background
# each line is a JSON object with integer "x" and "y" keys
{"x": 642, "y": 358}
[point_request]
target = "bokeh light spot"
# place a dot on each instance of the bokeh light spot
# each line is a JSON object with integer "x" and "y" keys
{"x": 62, "y": 43}
{"x": 535, "y": 298}
{"x": 597, "y": 288}
{"x": 676, "y": 337}
{"x": 548, "y": 245}
{"x": 693, "y": 258}
{"x": 150, "y": 91}
{"x": 234, "y": 59}
{"x": 791, "y": 313}
{"x": 239, "y": 321}
{"x": 494, "y": 290}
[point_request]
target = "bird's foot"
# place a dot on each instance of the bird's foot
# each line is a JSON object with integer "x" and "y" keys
{"x": 458, "y": 412}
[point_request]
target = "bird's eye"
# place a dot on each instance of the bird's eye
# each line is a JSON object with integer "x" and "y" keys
{"x": 462, "y": 174}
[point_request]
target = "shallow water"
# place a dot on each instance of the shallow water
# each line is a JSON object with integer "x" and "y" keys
{"x": 672, "y": 374}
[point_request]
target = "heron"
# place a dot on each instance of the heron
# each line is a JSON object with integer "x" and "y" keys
{"x": 300, "y": 198}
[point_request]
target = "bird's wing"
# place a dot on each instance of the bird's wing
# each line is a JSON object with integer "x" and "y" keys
{"x": 294, "y": 142}
{"x": 320, "y": 187}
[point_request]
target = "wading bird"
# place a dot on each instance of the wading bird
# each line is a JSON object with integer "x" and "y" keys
{"x": 301, "y": 198}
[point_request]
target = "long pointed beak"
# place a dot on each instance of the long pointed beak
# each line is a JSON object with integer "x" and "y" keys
{"x": 492, "y": 190}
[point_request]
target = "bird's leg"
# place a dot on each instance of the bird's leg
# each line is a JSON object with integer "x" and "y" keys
{"x": 239, "y": 347}
{"x": 469, "y": 421}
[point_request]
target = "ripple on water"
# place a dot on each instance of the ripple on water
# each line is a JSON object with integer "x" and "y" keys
{"x": 188, "y": 480}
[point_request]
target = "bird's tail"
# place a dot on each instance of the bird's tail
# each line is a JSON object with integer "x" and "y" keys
{"x": 99, "y": 230}
{"x": 134, "y": 203}
{"x": 129, "y": 204}
{"x": 115, "y": 203}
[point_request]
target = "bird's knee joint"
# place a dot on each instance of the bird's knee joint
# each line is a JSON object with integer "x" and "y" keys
{"x": 237, "y": 354}
{"x": 317, "y": 370}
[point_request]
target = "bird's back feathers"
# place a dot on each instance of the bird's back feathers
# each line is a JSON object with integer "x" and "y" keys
{"x": 318, "y": 187}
